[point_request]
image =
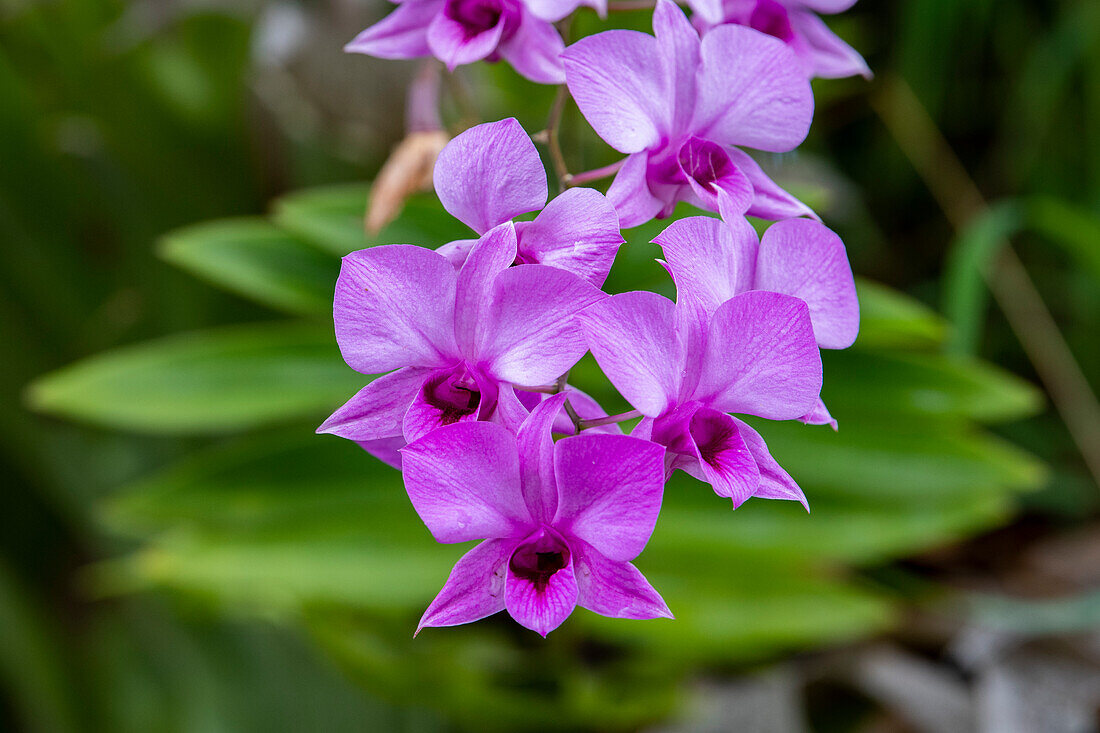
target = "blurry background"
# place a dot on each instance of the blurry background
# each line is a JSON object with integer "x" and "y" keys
{"x": 178, "y": 551}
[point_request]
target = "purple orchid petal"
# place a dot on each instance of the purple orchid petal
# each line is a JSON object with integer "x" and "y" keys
{"x": 724, "y": 458}
{"x": 449, "y": 396}
{"x": 830, "y": 57}
{"x": 709, "y": 170}
{"x": 769, "y": 200}
{"x": 536, "y": 457}
{"x": 761, "y": 357}
{"x": 403, "y": 34}
{"x": 376, "y": 410}
{"x": 678, "y": 53}
{"x": 614, "y": 589}
{"x": 618, "y": 87}
{"x": 578, "y": 231}
{"x": 387, "y": 450}
{"x": 829, "y": 7}
{"x": 532, "y": 333}
{"x": 475, "y": 587}
{"x": 540, "y": 590}
{"x": 452, "y": 42}
{"x": 491, "y": 255}
{"x": 464, "y": 482}
{"x": 752, "y": 91}
{"x": 457, "y": 251}
{"x": 535, "y": 51}
{"x": 819, "y": 415}
{"x": 775, "y": 483}
{"x": 489, "y": 174}
{"x": 587, "y": 409}
{"x": 709, "y": 259}
{"x": 512, "y": 408}
{"x": 555, "y": 10}
{"x": 806, "y": 259}
{"x": 630, "y": 194}
{"x": 708, "y": 11}
{"x": 609, "y": 491}
{"x": 394, "y": 307}
{"x": 633, "y": 337}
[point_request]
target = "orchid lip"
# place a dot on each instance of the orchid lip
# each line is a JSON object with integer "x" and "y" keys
{"x": 539, "y": 557}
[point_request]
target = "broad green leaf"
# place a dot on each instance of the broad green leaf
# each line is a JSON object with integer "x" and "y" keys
{"x": 256, "y": 259}
{"x": 331, "y": 219}
{"x": 890, "y": 319}
{"x": 204, "y": 381}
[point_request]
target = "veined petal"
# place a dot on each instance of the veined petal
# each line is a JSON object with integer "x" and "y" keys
{"x": 490, "y": 256}
{"x": 618, "y": 87}
{"x": 806, "y": 259}
{"x": 537, "y": 600}
{"x": 710, "y": 171}
{"x": 829, "y": 7}
{"x": 387, "y": 450}
{"x": 614, "y": 589}
{"x": 752, "y": 91}
{"x": 578, "y": 231}
{"x": 769, "y": 200}
{"x": 830, "y": 56}
{"x": 403, "y": 34}
{"x": 709, "y": 259}
{"x": 555, "y": 10}
{"x": 819, "y": 415}
{"x": 464, "y": 482}
{"x": 532, "y": 334}
{"x": 609, "y": 491}
{"x": 678, "y": 47}
{"x": 709, "y": 11}
{"x": 394, "y": 307}
{"x": 535, "y": 51}
{"x": 761, "y": 357}
{"x": 724, "y": 458}
{"x": 457, "y": 251}
{"x": 450, "y": 43}
{"x": 376, "y": 410}
{"x": 634, "y": 339}
{"x": 475, "y": 587}
{"x": 449, "y": 396}
{"x": 775, "y": 483}
{"x": 630, "y": 194}
{"x": 489, "y": 174}
{"x": 536, "y": 457}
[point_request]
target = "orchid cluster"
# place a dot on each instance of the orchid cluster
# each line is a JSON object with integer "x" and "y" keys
{"x": 474, "y": 341}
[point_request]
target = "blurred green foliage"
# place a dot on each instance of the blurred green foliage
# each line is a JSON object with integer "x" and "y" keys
{"x": 179, "y": 545}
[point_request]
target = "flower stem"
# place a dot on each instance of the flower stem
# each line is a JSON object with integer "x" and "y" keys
{"x": 595, "y": 174}
{"x": 609, "y": 420}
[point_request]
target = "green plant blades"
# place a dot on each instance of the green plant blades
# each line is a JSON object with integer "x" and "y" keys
{"x": 206, "y": 381}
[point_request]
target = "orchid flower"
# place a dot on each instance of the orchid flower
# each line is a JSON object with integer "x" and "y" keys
{"x": 560, "y": 521}
{"x": 453, "y": 343}
{"x": 492, "y": 173}
{"x": 684, "y": 369}
{"x": 712, "y": 260}
{"x": 461, "y": 32}
{"x": 677, "y": 104}
{"x": 795, "y": 22}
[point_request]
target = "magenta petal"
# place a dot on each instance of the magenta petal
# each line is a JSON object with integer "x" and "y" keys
{"x": 633, "y": 337}
{"x": 629, "y": 193}
{"x": 490, "y": 256}
{"x": 387, "y": 450}
{"x": 752, "y": 91}
{"x": 829, "y": 7}
{"x": 578, "y": 231}
{"x": 709, "y": 11}
{"x": 819, "y": 415}
{"x": 806, "y": 259}
{"x": 541, "y": 590}
{"x": 724, "y": 458}
{"x": 609, "y": 491}
{"x": 489, "y": 174}
{"x": 511, "y": 409}
{"x": 614, "y": 589}
{"x": 376, "y": 410}
{"x": 831, "y": 57}
{"x": 536, "y": 456}
{"x": 453, "y": 45}
{"x": 475, "y": 587}
{"x": 761, "y": 357}
{"x": 709, "y": 170}
{"x": 532, "y": 333}
{"x": 464, "y": 482}
{"x": 394, "y": 307}
{"x": 775, "y": 483}
{"x": 448, "y": 396}
{"x": 619, "y": 88}
{"x": 709, "y": 259}
{"x": 403, "y": 34}
{"x": 769, "y": 200}
{"x": 587, "y": 409}
{"x": 678, "y": 46}
{"x": 456, "y": 251}
{"x": 535, "y": 51}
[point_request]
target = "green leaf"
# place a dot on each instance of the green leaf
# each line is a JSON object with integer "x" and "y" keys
{"x": 204, "y": 381}
{"x": 256, "y": 259}
{"x": 889, "y": 319}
